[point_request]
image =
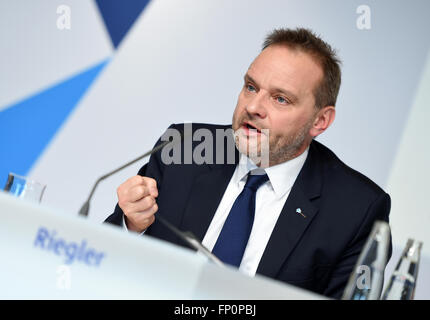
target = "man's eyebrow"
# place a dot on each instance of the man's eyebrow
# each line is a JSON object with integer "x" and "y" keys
{"x": 247, "y": 77}
{"x": 288, "y": 93}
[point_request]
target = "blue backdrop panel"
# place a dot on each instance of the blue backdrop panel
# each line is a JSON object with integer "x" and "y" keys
{"x": 119, "y": 16}
{"x": 27, "y": 127}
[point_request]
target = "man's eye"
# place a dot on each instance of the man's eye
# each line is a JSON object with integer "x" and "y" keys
{"x": 282, "y": 100}
{"x": 250, "y": 88}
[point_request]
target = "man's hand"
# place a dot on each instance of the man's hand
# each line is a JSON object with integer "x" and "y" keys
{"x": 136, "y": 198}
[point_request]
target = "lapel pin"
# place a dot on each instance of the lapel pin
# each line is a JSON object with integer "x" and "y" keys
{"x": 298, "y": 210}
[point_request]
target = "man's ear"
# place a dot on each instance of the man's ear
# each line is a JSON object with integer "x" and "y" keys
{"x": 323, "y": 120}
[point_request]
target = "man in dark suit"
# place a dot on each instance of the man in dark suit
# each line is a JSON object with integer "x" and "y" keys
{"x": 280, "y": 204}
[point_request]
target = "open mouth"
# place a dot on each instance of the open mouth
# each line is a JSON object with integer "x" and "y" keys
{"x": 250, "y": 128}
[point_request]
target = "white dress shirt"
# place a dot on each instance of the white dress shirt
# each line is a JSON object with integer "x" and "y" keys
{"x": 269, "y": 201}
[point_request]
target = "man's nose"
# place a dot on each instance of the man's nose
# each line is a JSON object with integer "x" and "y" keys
{"x": 257, "y": 105}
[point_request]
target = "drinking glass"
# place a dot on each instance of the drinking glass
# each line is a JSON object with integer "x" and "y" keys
{"x": 370, "y": 266}
{"x": 24, "y": 188}
{"x": 403, "y": 281}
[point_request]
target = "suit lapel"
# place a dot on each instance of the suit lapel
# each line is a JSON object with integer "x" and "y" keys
{"x": 291, "y": 224}
{"x": 209, "y": 187}
{"x": 206, "y": 194}
{"x": 207, "y": 191}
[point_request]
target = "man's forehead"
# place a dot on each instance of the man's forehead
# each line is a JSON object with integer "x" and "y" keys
{"x": 286, "y": 66}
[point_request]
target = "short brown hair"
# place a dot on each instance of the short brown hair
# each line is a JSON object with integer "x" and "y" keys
{"x": 305, "y": 40}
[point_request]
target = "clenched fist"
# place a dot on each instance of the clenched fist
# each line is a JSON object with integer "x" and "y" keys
{"x": 136, "y": 198}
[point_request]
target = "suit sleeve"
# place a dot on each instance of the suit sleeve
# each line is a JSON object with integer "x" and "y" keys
{"x": 378, "y": 210}
{"x": 153, "y": 169}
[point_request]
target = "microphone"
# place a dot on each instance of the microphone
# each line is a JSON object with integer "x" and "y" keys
{"x": 86, "y": 206}
{"x": 188, "y": 237}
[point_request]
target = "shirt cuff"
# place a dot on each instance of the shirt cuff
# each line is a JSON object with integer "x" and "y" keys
{"x": 124, "y": 225}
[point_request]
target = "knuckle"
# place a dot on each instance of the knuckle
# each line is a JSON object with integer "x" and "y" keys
{"x": 140, "y": 190}
{"x": 151, "y": 220}
{"x": 153, "y": 183}
{"x": 133, "y": 181}
{"x": 150, "y": 182}
{"x": 149, "y": 201}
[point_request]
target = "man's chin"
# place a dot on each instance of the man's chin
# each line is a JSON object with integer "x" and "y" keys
{"x": 251, "y": 147}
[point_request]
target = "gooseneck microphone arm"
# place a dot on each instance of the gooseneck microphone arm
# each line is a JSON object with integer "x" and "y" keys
{"x": 86, "y": 206}
{"x": 190, "y": 239}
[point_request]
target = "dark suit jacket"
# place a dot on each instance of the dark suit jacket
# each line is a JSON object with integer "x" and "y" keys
{"x": 318, "y": 252}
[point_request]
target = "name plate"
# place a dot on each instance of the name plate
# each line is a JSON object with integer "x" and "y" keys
{"x": 48, "y": 254}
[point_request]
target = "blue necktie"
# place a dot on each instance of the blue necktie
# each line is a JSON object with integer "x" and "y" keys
{"x": 234, "y": 235}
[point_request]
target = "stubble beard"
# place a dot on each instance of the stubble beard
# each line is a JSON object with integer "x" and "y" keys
{"x": 287, "y": 148}
{"x": 279, "y": 149}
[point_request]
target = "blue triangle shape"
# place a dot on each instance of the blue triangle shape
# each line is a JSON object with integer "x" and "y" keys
{"x": 27, "y": 127}
{"x": 119, "y": 16}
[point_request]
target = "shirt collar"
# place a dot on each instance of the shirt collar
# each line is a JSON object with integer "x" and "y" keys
{"x": 281, "y": 176}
